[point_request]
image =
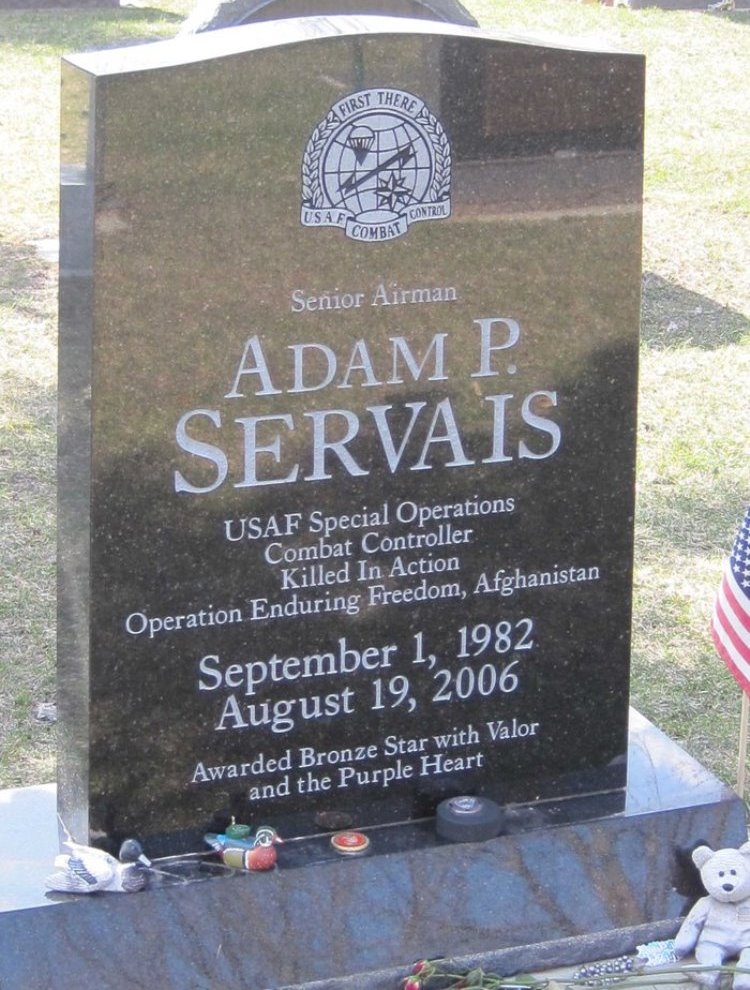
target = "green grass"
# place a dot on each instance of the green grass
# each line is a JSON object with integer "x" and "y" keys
{"x": 31, "y": 45}
{"x": 693, "y": 477}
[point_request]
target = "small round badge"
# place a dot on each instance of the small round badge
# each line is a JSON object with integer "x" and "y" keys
{"x": 350, "y": 843}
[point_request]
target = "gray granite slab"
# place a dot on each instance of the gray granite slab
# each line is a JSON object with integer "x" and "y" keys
{"x": 543, "y": 897}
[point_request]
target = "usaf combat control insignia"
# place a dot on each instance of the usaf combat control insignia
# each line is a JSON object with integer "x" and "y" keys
{"x": 378, "y": 162}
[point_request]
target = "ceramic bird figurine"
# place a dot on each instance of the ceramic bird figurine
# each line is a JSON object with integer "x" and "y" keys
{"x": 256, "y": 852}
{"x": 86, "y": 870}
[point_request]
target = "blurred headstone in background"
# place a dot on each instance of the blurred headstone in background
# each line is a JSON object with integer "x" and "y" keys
{"x": 209, "y": 15}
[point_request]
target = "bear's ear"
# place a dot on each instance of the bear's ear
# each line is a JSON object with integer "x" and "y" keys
{"x": 701, "y": 855}
{"x": 745, "y": 849}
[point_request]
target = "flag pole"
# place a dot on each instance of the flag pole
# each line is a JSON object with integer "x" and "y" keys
{"x": 742, "y": 754}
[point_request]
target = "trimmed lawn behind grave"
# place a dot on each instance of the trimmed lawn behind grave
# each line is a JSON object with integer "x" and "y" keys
{"x": 694, "y": 421}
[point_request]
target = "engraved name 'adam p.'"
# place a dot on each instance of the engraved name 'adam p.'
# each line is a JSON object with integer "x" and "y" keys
{"x": 316, "y": 444}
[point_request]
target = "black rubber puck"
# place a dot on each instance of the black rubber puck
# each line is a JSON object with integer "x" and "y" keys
{"x": 468, "y": 819}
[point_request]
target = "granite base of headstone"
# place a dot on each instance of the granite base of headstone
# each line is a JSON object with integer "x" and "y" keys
{"x": 521, "y": 902}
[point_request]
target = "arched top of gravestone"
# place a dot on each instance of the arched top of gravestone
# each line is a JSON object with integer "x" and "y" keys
{"x": 209, "y": 15}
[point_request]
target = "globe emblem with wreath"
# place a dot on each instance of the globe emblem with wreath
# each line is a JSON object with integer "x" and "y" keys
{"x": 377, "y": 165}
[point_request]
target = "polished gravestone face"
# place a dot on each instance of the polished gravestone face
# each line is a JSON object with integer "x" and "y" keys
{"x": 359, "y": 318}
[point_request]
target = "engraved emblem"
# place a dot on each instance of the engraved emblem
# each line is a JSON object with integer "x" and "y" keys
{"x": 465, "y": 805}
{"x": 379, "y": 162}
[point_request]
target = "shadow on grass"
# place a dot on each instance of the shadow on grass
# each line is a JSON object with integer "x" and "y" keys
{"x": 24, "y": 280}
{"x": 27, "y": 296}
{"x": 672, "y": 316}
{"x": 83, "y": 28}
{"x": 669, "y": 520}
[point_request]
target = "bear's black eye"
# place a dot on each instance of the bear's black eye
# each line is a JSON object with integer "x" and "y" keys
{"x": 721, "y": 873}
{"x": 733, "y": 873}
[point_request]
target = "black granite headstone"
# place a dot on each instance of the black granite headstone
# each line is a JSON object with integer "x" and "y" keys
{"x": 349, "y": 333}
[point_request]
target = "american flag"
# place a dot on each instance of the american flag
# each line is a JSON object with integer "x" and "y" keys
{"x": 730, "y": 626}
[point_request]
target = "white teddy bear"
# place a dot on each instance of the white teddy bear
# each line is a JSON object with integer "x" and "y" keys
{"x": 718, "y": 926}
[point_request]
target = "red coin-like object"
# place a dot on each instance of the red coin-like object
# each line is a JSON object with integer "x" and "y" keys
{"x": 350, "y": 843}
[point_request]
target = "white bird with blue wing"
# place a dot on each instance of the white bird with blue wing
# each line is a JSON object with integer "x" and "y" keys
{"x": 87, "y": 870}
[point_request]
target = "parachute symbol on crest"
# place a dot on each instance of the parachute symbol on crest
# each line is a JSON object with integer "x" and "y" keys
{"x": 360, "y": 140}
